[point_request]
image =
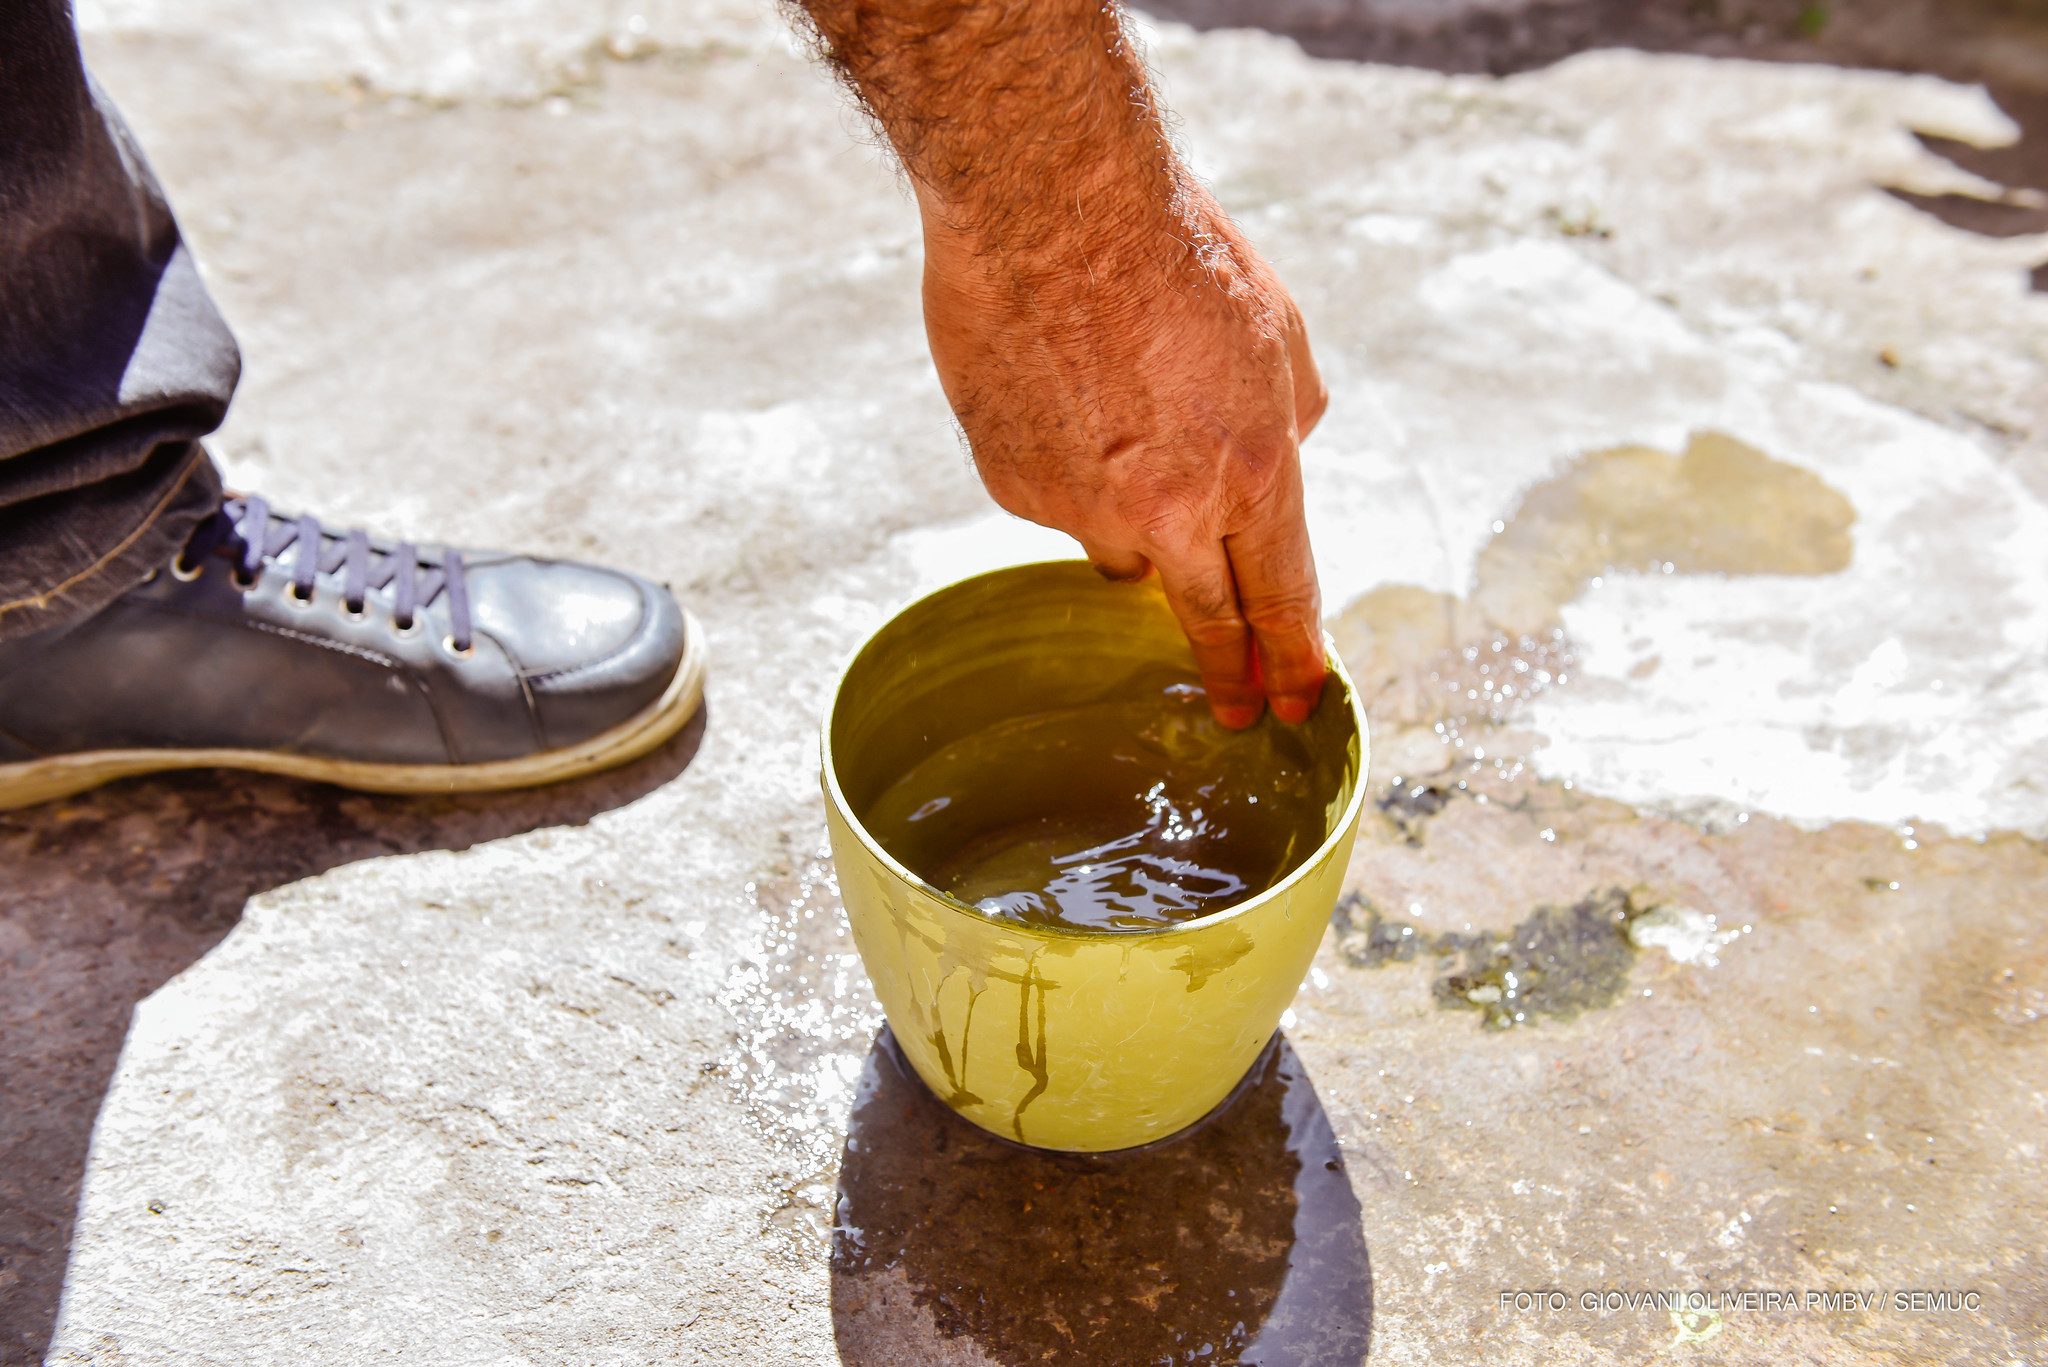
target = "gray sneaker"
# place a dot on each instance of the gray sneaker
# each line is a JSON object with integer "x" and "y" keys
{"x": 272, "y": 643}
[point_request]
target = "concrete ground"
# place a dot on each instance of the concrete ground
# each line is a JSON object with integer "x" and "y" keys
{"x": 1679, "y": 508}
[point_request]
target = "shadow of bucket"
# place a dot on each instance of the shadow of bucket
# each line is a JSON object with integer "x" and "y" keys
{"x": 1239, "y": 1242}
{"x": 1080, "y": 1040}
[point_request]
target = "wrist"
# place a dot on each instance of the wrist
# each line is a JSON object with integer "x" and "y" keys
{"x": 1103, "y": 218}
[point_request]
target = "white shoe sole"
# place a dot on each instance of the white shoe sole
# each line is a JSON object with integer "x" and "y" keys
{"x": 28, "y": 782}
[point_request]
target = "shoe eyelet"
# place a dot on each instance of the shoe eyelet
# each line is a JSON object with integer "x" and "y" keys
{"x": 448, "y": 644}
{"x": 183, "y": 575}
{"x": 291, "y": 595}
{"x": 244, "y": 582}
{"x": 349, "y": 614}
{"x": 409, "y": 630}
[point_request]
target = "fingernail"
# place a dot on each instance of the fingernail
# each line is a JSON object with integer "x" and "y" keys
{"x": 1293, "y": 711}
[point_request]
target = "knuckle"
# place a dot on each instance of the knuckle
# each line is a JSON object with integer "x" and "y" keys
{"x": 1257, "y": 474}
{"x": 1216, "y": 633}
{"x": 1162, "y": 514}
{"x": 1211, "y": 605}
{"x": 1280, "y": 612}
{"x": 1312, "y": 411}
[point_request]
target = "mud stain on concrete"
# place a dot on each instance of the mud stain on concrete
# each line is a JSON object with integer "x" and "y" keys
{"x": 1722, "y": 508}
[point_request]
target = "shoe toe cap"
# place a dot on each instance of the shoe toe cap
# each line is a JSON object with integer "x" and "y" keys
{"x": 594, "y": 646}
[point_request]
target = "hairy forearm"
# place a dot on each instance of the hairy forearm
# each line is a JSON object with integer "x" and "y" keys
{"x": 1024, "y": 124}
{"x": 1124, "y": 365}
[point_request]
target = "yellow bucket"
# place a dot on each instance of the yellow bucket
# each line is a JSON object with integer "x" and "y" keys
{"x": 1062, "y": 1039}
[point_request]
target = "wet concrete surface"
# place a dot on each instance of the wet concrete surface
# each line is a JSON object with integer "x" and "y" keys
{"x": 593, "y": 1075}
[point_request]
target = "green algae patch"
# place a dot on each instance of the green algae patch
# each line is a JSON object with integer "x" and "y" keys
{"x": 1560, "y": 962}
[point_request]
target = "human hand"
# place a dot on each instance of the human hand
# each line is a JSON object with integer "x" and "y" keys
{"x": 1143, "y": 386}
{"x": 1125, "y": 366}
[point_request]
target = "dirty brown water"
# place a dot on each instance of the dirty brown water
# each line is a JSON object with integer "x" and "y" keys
{"x": 1133, "y": 812}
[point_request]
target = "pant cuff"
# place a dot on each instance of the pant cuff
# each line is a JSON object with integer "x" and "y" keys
{"x": 188, "y": 491}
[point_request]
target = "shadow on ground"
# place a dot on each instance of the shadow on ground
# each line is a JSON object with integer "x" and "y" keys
{"x": 106, "y": 896}
{"x": 1239, "y": 1241}
{"x": 2001, "y": 44}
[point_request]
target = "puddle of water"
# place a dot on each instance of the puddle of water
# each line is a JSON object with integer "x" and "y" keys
{"x": 1240, "y": 1241}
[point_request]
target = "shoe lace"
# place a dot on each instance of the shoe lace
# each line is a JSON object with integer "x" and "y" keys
{"x": 246, "y": 531}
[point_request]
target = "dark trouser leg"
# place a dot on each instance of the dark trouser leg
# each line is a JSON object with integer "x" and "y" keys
{"x": 113, "y": 360}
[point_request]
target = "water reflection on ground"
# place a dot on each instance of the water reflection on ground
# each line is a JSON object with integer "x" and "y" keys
{"x": 1238, "y": 1241}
